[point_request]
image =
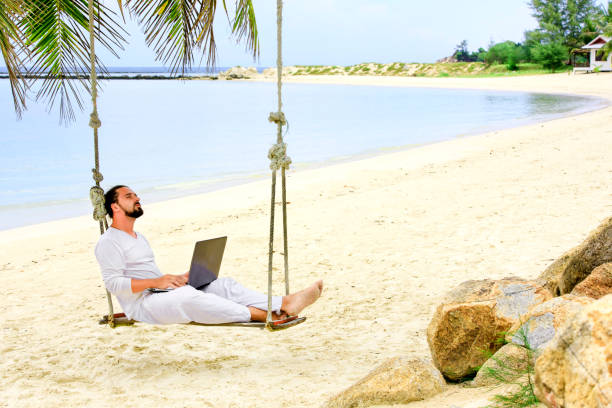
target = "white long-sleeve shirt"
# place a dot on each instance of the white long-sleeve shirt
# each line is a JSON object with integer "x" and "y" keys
{"x": 121, "y": 258}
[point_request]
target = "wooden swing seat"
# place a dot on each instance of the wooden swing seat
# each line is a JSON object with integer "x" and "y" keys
{"x": 120, "y": 319}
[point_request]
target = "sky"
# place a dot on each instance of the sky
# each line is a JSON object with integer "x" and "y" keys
{"x": 346, "y": 32}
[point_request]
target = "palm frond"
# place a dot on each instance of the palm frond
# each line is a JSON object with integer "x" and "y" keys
{"x": 170, "y": 28}
{"x": 57, "y": 33}
{"x": 245, "y": 26}
{"x": 206, "y": 35}
{"x": 608, "y": 46}
{"x": 12, "y": 45}
{"x": 179, "y": 29}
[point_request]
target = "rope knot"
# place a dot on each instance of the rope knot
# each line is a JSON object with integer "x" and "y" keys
{"x": 278, "y": 118}
{"x": 96, "y": 195}
{"x": 97, "y": 176}
{"x": 278, "y": 157}
{"x": 94, "y": 120}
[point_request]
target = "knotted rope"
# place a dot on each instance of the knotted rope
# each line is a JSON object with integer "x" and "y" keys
{"x": 94, "y": 120}
{"x": 278, "y": 161}
{"x": 96, "y": 193}
{"x": 278, "y": 118}
{"x": 278, "y": 157}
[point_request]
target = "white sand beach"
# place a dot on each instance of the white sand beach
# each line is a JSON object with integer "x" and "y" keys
{"x": 388, "y": 234}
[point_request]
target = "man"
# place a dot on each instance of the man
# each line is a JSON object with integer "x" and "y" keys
{"x": 128, "y": 269}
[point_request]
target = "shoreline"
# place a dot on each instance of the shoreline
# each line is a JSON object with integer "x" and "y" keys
{"x": 388, "y": 234}
{"x": 161, "y": 193}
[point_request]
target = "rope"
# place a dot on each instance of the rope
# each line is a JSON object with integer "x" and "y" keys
{"x": 277, "y": 117}
{"x": 278, "y": 161}
{"x": 96, "y": 193}
{"x": 278, "y": 157}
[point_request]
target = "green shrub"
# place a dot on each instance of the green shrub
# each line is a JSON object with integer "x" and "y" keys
{"x": 507, "y": 53}
{"x": 505, "y": 373}
{"x": 552, "y": 56}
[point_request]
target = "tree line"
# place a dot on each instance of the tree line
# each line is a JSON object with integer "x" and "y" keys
{"x": 563, "y": 26}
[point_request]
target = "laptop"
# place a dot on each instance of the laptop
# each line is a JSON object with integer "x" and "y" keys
{"x": 205, "y": 263}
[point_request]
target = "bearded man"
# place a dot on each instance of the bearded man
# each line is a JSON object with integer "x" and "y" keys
{"x": 128, "y": 269}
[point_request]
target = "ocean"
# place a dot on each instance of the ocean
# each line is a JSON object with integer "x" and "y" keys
{"x": 169, "y": 139}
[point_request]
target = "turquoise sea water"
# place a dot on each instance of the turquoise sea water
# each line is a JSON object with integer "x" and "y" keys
{"x": 171, "y": 138}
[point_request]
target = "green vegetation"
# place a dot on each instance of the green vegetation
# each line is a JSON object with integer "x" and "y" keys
{"x": 517, "y": 372}
{"x": 439, "y": 70}
{"x": 550, "y": 55}
{"x": 608, "y": 33}
{"x": 563, "y": 25}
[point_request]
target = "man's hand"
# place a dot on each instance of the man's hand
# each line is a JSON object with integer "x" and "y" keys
{"x": 170, "y": 281}
{"x": 163, "y": 282}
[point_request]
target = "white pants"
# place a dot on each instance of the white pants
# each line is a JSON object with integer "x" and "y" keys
{"x": 223, "y": 301}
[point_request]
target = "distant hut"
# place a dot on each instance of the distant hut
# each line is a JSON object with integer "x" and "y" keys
{"x": 591, "y": 56}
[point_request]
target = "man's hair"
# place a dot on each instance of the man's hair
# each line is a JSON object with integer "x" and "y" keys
{"x": 111, "y": 197}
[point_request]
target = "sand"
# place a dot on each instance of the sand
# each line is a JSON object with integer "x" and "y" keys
{"x": 389, "y": 235}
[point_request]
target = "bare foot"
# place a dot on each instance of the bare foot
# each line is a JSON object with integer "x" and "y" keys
{"x": 281, "y": 316}
{"x": 294, "y": 303}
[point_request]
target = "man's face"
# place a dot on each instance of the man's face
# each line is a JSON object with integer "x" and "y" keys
{"x": 129, "y": 202}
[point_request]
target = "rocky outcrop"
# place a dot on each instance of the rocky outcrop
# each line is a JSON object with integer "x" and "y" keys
{"x": 510, "y": 362}
{"x": 575, "y": 369}
{"x": 598, "y": 284}
{"x": 471, "y": 319}
{"x": 448, "y": 60}
{"x": 238, "y": 73}
{"x": 576, "y": 264}
{"x": 540, "y": 325}
{"x": 398, "y": 380}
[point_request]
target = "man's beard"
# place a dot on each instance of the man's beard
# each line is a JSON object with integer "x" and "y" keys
{"x": 135, "y": 213}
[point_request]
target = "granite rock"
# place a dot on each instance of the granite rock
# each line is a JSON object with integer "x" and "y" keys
{"x": 575, "y": 369}
{"x": 598, "y": 284}
{"x": 398, "y": 380}
{"x": 539, "y": 326}
{"x": 577, "y": 263}
{"x": 467, "y": 326}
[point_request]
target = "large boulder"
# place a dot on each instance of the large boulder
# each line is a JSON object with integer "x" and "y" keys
{"x": 398, "y": 380}
{"x": 508, "y": 363}
{"x": 575, "y": 369}
{"x": 598, "y": 284}
{"x": 467, "y": 326}
{"x": 576, "y": 264}
{"x": 540, "y": 325}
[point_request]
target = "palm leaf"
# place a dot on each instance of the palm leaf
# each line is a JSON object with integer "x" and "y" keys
{"x": 608, "y": 46}
{"x": 57, "y": 33}
{"x": 169, "y": 27}
{"x": 179, "y": 29}
{"x": 11, "y": 45}
{"x": 245, "y": 25}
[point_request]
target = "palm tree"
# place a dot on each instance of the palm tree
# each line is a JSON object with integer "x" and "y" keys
{"x": 607, "y": 23}
{"x": 48, "y": 40}
{"x": 11, "y": 45}
{"x": 608, "y": 33}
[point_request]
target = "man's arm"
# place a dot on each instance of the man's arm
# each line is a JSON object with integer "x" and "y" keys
{"x": 163, "y": 282}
